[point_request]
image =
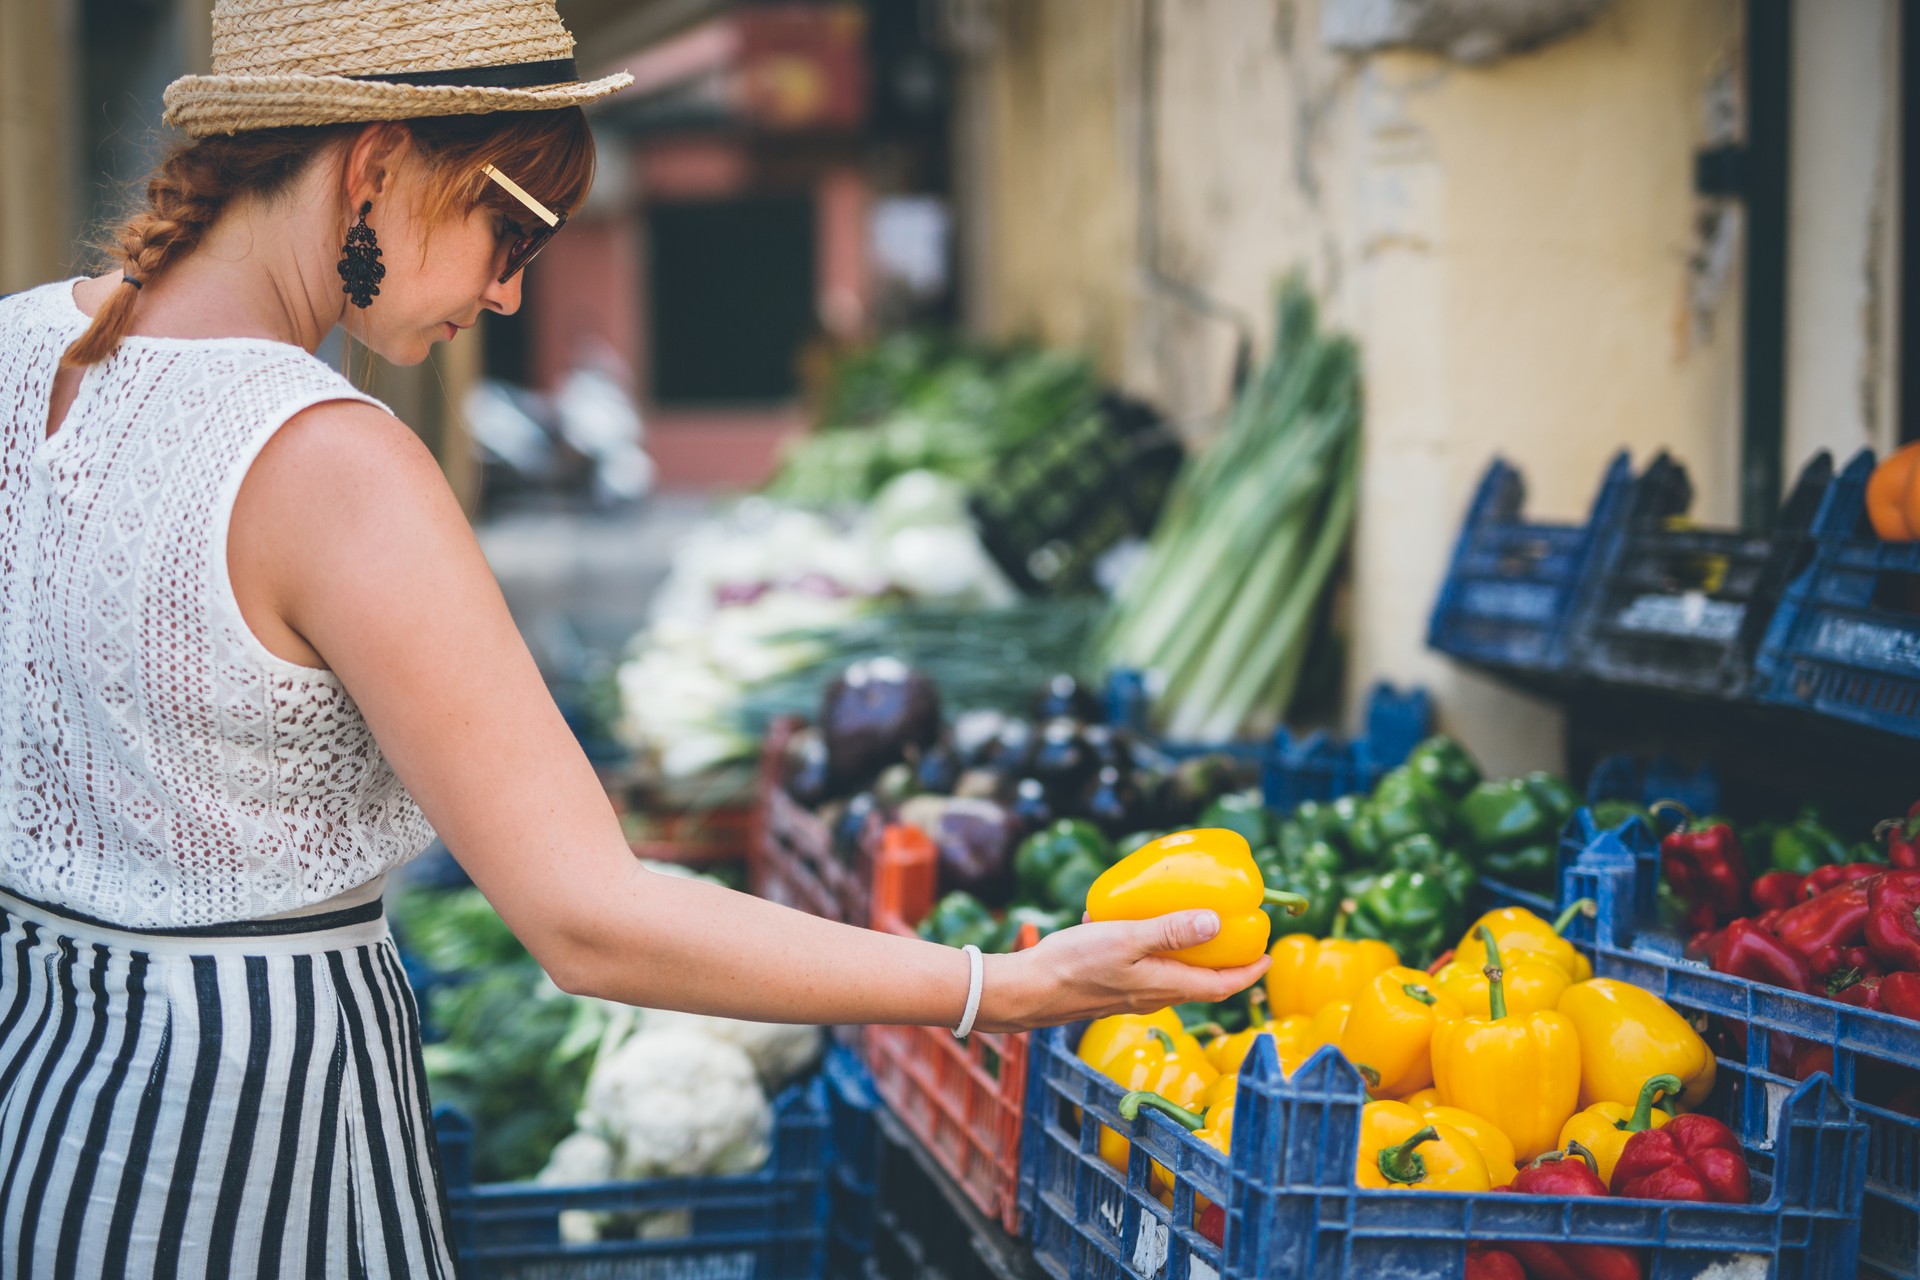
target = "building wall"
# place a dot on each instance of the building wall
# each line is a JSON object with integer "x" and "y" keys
{"x": 1518, "y": 248}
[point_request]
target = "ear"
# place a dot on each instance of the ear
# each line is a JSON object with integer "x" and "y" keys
{"x": 372, "y": 159}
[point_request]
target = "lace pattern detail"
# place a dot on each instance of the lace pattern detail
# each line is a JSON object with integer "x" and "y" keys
{"x": 158, "y": 765}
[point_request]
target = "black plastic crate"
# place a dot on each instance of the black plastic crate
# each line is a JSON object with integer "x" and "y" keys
{"x": 1059, "y": 503}
{"x": 1511, "y": 590}
{"x": 1845, "y": 641}
{"x": 1681, "y": 608}
{"x": 924, "y": 1227}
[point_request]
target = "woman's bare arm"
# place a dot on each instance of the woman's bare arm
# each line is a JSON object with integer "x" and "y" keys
{"x": 346, "y": 536}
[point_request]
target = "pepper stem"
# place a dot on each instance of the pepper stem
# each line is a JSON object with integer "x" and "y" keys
{"x": 1208, "y": 1029}
{"x": 1659, "y": 806}
{"x": 1496, "y": 977}
{"x": 1419, "y": 993}
{"x": 1257, "y": 1007}
{"x": 1293, "y": 902}
{"x": 1131, "y": 1104}
{"x": 1166, "y": 1041}
{"x": 1578, "y": 907}
{"x": 1402, "y": 1164}
{"x": 1347, "y": 907}
{"x": 1655, "y": 1086}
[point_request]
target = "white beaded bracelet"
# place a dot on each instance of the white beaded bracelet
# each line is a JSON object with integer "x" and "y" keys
{"x": 974, "y": 976}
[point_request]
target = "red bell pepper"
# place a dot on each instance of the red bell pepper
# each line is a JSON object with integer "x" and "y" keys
{"x": 1745, "y": 950}
{"x": 1573, "y": 1172}
{"x": 1831, "y": 962}
{"x": 1576, "y": 1261}
{"x": 1893, "y": 919}
{"x": 1861, "y": 990}
{"x": 1837, "y": 918}
{"x": 1709, "y": 872}
{"x": 1821, "y": 879}
{"x": 1693, "y": 1157}
{"x": 1900, "y": 995}
{"x": 1213, "y": 1224}
{"x": 1777, "y": 890}
{"x": 1903, "y": 839}
{"x": 1486, "y": 1263}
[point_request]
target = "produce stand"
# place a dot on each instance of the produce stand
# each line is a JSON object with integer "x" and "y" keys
{"x": 928, "y": 1226}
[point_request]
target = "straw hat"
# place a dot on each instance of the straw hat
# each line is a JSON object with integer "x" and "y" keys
{"x": 296, "y": 62}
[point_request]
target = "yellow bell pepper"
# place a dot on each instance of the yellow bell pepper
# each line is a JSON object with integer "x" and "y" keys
{"x": 1494, "y": 1146}
{"x": 1227, "y": 1051}
{"x": 1604, "y": 1127}
{"x": 1326, "y": 1027}
{"x": 1111, "y": 1039}
{"x": 1215, "y": 1128}
{"x": 1309, "y": 973}
{"x": 1210, "y": 867}
{"x": 1421, "y": 1099}
{"x": 1293, "y": 1041}
{"x": 1389, "y": 1031}
{"x": 1533, "y": 983}
{"x": 1627, "y": 1034}
{"x": 1401, "y": 1150}
{"x": 1518, "y": 929}
{"x": 1175, "y": 1068}
{"x": 1520, "y": 1071}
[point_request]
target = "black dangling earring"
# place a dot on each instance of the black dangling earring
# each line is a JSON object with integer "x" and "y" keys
{"x": 360, "y": 262}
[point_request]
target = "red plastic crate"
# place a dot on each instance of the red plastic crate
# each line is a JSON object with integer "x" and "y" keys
{"x": 790, "y": 858}
{"x": 963, "y": 1100}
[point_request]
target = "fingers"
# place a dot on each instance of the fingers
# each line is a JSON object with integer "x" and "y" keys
{"x": 1176, "y": 930}
{"x": 1190, "y": 982}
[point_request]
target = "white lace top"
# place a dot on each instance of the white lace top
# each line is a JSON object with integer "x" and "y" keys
{"x": 158, "y": 765}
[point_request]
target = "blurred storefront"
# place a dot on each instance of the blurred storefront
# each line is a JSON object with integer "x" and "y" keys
{"x": 1557, "y": 231}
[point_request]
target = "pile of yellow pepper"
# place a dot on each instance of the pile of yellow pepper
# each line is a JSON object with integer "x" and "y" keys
{"x": 1509, "y": 1051}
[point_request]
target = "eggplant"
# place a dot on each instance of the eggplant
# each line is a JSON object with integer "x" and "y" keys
{"x": 974, "y": 840}
{"x": 859, "y": 821}
{"x": 1113, "y": 804}
{"x": 1064, "y": 763}
{"x": 976, "y": 735}
{"x": 939, "y": 769}
{"x": 1013, "y": 748}
{"x": 1066, "y": 698}
{"x": 803, "y": 767}
{"x": 1110, "y": 747}
{"x": 871, "y": 715}
{"x": 1031, "y": 806}
{"x": 1199, "y": 781}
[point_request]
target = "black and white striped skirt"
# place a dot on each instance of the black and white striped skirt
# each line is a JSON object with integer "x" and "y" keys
{"x": 240, "y": 1100}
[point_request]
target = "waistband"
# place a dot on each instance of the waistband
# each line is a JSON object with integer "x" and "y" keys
{"x": 326, "y": 931}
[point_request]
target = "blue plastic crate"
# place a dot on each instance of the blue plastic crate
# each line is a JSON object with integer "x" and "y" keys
{"x": 1618, "y": 873}
{"x": 767, "y": 1225}
{"x": 854, "y": 1153}
{"x": 1845, "y": 641}
{"x": 1087, "y": 1220}
{"x": 1322, "y": 767}
{"x": 1509, "y": 597}
{"x": 1672, "y": 606}
{"x": 1128, "y": 707}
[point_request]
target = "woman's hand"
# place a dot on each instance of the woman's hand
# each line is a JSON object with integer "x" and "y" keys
{"x": 1093, "y": 970}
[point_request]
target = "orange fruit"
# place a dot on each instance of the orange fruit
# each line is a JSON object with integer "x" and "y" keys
{"x": 1893, "y": 496}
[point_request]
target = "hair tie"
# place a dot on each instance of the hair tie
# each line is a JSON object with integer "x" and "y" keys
{"x": 127, "y": 279}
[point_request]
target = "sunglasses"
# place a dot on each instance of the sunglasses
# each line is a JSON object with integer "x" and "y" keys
{"x": 528, "y": 243}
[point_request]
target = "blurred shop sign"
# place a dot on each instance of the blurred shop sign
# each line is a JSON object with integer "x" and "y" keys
{"x": 774, "y": 67}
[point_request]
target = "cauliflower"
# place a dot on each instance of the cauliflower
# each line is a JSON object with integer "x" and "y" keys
{"x": 678, "y": 1103}
{"x": 780, "y": 1052}
{"x": 580, "y": 1158}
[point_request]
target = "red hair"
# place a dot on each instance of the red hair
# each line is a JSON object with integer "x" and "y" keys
{"x": 549, "y": 153}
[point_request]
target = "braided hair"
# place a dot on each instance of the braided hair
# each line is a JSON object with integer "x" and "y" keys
{"x": 198, "y": 180}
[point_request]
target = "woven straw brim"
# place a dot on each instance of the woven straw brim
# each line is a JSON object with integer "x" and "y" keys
{"x": 202, "y": 106}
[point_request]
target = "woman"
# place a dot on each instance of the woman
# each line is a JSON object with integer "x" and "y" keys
{"x": 254, "y": 658}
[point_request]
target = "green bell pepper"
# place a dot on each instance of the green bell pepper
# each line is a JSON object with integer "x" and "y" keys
{"x": 1067, "y": 890}
{"x": 1802, "y": 845}
{"x": 1241, "y": 811}
{"x": 1531, "y": 866}
{"x": 1041, "y": 855}
{"x": 1406, "y": 804}
{"x": 957, "y": 919}
{"x": 1410, "y": 911}
{"x": 1318, "y": 820}
{"x": 1506, "y": 814}
{"x": 1445, "y": 764}
{"x": 1609, "y": 814}
{"x": 1423, "y": 852}
{"x": 1364, "y": 838}
{"x": 1314, "y": 873}
{"x": 1555, "y": 795}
